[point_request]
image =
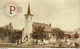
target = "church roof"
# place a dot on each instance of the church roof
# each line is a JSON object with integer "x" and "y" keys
{"x": 47, "y": 27}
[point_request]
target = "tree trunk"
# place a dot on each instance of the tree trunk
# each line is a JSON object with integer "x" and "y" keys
{"x": 33, "y": 41}
{"x": 36, "y": 41}
{"x": 56, "y": 39}
{"x": 42, "y": 41}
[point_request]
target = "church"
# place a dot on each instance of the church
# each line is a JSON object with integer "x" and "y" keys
{"x": 29, "y": 27}
{"x": 26, "y": 38}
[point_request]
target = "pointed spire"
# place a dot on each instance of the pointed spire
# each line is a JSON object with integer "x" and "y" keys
{"x": 28, "y": 12}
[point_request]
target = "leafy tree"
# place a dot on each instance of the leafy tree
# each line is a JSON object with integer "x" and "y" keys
{"x": 39, "y": 34}
{"x": 76, "y": 45}
{"x": 12, "y": 36}
{"x": 4, "y": 33}
{"x": 76, "y": 35}
{"x": 15, "y": 36}
{"x": 58, "y": 33}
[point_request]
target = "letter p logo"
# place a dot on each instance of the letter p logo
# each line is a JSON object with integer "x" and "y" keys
{"x": 12, "y": 8}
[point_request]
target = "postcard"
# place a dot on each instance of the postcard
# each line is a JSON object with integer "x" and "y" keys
{"x": 39, "y": 24}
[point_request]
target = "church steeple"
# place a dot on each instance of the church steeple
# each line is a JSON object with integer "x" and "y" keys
{"x": 28, "y": 27}
{"x": 29, "y": 10}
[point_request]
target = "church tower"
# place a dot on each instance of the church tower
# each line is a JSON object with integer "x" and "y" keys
{"x": 26, "y": 34}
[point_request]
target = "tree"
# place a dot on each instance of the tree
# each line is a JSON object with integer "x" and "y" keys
{"x": 15, "y": 36}
{"x": 58, "y": 33}
{"x": 39, "y": 34}
{"x": 4, "y": 33}
{"x": 76, "y": 45}
{"x": 76, "y": 35}
{"x": 11, "y": 35}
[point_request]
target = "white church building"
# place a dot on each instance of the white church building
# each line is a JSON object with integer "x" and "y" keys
{"x": 28, "y": 27}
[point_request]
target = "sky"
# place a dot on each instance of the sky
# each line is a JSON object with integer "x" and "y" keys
{"x": 64, "y": 14}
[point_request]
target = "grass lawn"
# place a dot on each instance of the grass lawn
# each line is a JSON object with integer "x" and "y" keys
{"x": 27, "y": 46}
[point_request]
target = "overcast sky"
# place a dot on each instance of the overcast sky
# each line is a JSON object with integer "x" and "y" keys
{"x": 64, "y": 14}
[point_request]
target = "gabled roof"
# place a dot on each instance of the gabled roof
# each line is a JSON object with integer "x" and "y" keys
{"x": 47, "y": 27}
